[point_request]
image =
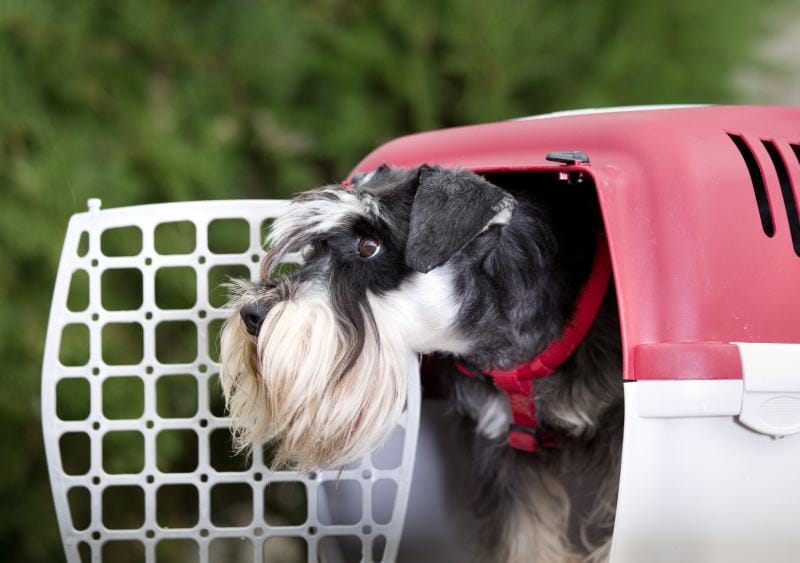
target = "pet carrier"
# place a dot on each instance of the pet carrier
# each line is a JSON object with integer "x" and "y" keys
{"x": 700, "y": 211}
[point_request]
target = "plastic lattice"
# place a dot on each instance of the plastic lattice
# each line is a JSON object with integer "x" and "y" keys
{"x": 137, "y": 442}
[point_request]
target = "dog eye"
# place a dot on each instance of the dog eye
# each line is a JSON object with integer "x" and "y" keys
{"x": 368, "y": 247}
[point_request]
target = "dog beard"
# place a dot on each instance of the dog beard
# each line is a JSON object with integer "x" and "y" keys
{"x": 303, "y": 388}
{"x": 324, "y": 382}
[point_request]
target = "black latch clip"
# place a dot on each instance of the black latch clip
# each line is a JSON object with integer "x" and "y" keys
{"x": 572, "y": 157}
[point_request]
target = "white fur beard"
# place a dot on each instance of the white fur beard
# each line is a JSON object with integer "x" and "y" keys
{"x": 280, "y": 389}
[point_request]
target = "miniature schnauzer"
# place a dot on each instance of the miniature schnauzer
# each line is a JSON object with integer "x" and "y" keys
{"x": 440, "y": 261}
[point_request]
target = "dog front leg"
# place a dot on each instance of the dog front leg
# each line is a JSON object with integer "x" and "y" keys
{"x": 531, "y": 522}
{"x": 521, "y": 505}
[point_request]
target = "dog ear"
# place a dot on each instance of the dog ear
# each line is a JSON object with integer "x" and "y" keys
{"x": 450, "y": 209}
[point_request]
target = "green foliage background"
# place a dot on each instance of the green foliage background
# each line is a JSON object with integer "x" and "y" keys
{"x": 139, "y": 101}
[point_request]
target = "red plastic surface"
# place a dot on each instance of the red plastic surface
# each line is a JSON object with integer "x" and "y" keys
{"x": 691, "y": 261}
{"x": 687, "y": 360}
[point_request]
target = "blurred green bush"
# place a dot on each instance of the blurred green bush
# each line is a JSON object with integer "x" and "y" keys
{"x": 139, "y": 101}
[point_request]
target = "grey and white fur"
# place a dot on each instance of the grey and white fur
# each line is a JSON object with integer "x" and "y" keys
{"x": 438, "y": 261}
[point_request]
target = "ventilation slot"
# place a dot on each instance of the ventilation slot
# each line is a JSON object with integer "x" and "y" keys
{"x": 760, "y": 190}
{"x": 796, "y": 149}
{"x": 787, "y": 192}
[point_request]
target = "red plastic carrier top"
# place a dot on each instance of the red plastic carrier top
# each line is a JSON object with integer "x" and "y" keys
{"x": 700, "y": 209}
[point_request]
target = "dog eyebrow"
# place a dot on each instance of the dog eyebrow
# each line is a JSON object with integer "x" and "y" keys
{"x": 369, "y": 203}
{"x": 322, "y": 209}
{"x": 313, "y": 214}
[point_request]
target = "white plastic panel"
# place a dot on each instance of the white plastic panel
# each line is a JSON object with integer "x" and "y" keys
{"x": 617, "y": 109}
{"x": 771, "y": 375}
{"x": 770, "y": 367}
{"x": 691, "y": 397}
{"x": 341, "y": 522}
{"x": 704, "y": 489}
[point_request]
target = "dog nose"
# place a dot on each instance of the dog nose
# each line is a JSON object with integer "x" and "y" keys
{"x": 253, "y": 316}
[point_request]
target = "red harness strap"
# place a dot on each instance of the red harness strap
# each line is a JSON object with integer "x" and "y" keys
{"x": 517, "y": 383}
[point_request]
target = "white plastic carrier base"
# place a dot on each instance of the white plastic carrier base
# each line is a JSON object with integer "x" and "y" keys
{"x": 354, "y": 513}
{"x": 711, "y": 468}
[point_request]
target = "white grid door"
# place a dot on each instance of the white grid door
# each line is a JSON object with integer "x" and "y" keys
{"x": 112, "y": 414}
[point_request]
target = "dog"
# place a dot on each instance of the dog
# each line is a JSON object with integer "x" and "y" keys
{"x": 483, "y": 269}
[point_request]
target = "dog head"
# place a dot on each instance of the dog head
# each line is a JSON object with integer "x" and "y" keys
{"x": 315, "y": 361}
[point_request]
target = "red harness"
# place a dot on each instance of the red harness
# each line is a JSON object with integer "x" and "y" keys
{"x": 517, "y": 383}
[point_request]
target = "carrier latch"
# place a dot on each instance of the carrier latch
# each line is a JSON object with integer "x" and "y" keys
{"x": 570, "y": 158}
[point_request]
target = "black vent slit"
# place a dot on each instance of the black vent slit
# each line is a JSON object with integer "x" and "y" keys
{"x": 757, "y": 179}
{"x": 787, "y": 192}
{"x": 796, "y": 150}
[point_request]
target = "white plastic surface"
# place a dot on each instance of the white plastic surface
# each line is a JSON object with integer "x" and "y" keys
{"x": 616, "y": 109}
{"x": 771, "y": 374}
{"x": 704, "y": 489}
{"x": 693, "y": 397}
{"x": 366, "y": 476}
